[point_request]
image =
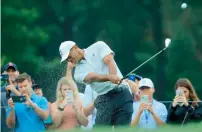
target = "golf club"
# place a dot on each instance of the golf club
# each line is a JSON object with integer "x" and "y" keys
{"x": 167, "y": 43}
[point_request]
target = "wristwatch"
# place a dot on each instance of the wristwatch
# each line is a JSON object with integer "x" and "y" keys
{"x": 61, "y": 109}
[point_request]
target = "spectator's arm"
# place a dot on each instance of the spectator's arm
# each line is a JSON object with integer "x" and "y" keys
{"x": 161, "y": 116}
{"x": 13, "y": 89}
{"x": 137, "y": 97}
{"x": 57, "y": 116}
{"x": 196, "y": 112}
{"x": 82, "y": 119}
{"x": 158, "y": 120}
{"x": 136, "y": 120}
{"x": 10, "y": 120}
{"x": 16, "y": 92}
{"x": 42, "y": 109}
{"x": 135, "y": 89}
{"x": 88, "y": 109}
{"x": 171, "y": 114}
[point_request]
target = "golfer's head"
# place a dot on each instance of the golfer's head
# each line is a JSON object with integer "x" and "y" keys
{"x": 69, "y": 51}
{"x": 146, "y": 87}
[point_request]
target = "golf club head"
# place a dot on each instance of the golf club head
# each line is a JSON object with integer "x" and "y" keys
{"x": 167, "y": 42}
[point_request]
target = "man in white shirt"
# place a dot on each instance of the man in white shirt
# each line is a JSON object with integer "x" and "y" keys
{"x": 148, "y": 112}
{"x": 88, "y": 98}
{"x": 95, "y": 66}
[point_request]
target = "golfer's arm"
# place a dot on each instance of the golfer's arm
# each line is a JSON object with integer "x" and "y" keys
{"x": 94, "y": 77}
{"x": 109, "y": 61}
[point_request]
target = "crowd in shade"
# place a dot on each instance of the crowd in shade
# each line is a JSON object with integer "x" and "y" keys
{"x": 108, "y": 100}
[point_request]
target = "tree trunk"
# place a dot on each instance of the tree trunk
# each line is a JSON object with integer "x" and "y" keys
{"x": 160, "y": 83}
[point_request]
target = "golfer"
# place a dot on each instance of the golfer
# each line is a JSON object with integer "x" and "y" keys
{"x": 96, "y": 66}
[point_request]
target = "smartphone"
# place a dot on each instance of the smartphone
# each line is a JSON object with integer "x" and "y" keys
{"x": 144, "y": 99}
{"x": 70, "y": 96}
{"x": 133, "y": 77}
{"x": 18, "y": 99}
{"x": 179, "y": 92}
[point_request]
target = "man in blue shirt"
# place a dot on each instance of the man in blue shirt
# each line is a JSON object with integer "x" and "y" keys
{"x": 28, "y": 116}
{"x": 148, "y": 113}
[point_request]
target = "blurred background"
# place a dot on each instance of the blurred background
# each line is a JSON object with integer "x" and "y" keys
{"x": 32, "y": 31}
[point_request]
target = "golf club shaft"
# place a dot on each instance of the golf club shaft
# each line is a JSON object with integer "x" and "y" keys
{"x": 144, "y": 63}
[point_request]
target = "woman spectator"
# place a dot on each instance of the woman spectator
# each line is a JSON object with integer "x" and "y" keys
{"x": 186, "y": 106}
{"x": 67, "y": 111}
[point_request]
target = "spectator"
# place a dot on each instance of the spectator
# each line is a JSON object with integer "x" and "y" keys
{"x": 67, "y": 112}
{"x": 148, "y": 113}
{"x": 186, "y": 106}
{"x": 12, "y": 71}
{"x": 38, "y": 91}
{"x": 28, "y": 116}
{"x": 7, "y": 89}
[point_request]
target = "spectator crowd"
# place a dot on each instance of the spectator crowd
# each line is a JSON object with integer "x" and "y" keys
{"x": 106, "y": 101}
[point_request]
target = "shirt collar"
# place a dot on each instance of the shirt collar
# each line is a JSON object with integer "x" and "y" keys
{"x": 33, "y": 95}
{"x": 85, "y": 56}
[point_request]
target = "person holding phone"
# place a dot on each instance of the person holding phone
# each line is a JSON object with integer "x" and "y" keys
{"x": 148, "y": 112}
{"x": 8, "y": 87}
{"x": 186, "y": 106}
{"x": 27, "y": 112}
{"x": 67, "y": 112}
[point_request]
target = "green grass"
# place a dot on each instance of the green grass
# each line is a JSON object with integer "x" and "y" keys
{"x": 168, "y": 128}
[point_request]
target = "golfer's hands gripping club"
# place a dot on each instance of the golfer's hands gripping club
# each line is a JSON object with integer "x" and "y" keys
{"x": 115, "y": 79}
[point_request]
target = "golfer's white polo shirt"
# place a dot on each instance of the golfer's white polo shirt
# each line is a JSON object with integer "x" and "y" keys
{"x": 94, "y": 62}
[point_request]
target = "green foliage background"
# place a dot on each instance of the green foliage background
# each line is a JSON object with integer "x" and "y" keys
{"x": 32, "y": 31}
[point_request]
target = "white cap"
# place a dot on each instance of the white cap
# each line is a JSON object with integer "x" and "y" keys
{"x": 65, "y": 48}
{"x": 146, "y": 82}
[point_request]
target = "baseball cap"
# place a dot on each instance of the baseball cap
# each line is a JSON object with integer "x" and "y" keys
{"x": 65, "y": 48}
{"x": 35, "y": 86}
{"x": 10, "y": 65}
{"x": 146, "y": 82}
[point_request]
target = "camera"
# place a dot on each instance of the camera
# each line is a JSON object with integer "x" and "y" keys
{"x": 4, "y": 80}
{"x": 4, "y": 83}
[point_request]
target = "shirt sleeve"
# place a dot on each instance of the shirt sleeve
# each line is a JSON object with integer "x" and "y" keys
{"x": 104, "y": 49}
{"x": 43, "y": 104}
{"x": 88, "y": 93}
{"x": 81, "y": 72}
{"x": 164, "y": 113}
{"x": 135, "y": 109}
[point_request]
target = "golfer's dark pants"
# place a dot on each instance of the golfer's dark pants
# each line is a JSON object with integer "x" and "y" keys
{"x": 114, "y": 108}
